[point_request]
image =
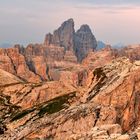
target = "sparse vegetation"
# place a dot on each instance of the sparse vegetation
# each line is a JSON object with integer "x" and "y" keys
{"x": 49, "y": 107}
{"x": 56, "y": 104}
{"x": 21, "y": 114}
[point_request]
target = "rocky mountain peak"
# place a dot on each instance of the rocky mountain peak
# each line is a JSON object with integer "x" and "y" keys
{"x": 48, "y": 39}
{"x": 84, "y": 42}
{"x": 63, "y": 36}
{"x": 80, "y": 42}
{"x": 84, "y": 28}
{"x": 66, "y": 27}
{"x": 69, "y": 22}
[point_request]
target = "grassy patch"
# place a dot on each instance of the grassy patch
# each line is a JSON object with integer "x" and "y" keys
{"x": 21, "y": 114}
{"x": 98, "y": 72}
{"x": 49, "y": 107}
{"x": 56, "y": 104}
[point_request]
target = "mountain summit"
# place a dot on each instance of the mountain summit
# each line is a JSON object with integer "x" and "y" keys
{"x": 81, "y": 42}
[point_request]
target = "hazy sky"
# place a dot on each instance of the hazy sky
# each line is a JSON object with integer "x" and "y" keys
{"x": 112, "y": 21}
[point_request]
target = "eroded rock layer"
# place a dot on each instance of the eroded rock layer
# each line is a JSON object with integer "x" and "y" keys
{"x": 106, "y": 107}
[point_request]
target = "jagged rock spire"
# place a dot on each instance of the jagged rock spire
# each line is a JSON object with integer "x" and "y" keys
{"x": 80, "y": 42}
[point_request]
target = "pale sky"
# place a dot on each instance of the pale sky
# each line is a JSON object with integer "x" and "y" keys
{"x": 27, "y": 21}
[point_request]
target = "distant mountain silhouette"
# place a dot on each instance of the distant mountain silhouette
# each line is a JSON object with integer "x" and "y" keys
{"x": 5, "y": 45}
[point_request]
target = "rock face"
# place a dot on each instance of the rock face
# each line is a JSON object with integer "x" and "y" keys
{"x": 116, "y": 91}
{"x": 8, "y": 79}
{"x": 63, "y": 36}
{"x": 5, "y": 62}
{"x": 131, "y": 51}
{"x": 99, "y": 58}
{"x": 15, "y": 63}
{"x": 81, "y": 42}
{"x": 85, "y": 42}
{"x": 70, "y": 56}
{"x": 48, "y": 39}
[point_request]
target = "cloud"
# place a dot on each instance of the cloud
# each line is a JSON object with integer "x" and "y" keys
{"x": 25, "y": 21}
{"x": 107, "y": 2}
{"x": 110, "y": 9}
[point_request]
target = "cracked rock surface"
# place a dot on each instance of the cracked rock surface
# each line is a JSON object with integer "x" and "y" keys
{"x": 107, "y": 107}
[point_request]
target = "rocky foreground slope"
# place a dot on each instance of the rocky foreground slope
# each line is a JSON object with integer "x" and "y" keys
{"x": 107, "y": 107}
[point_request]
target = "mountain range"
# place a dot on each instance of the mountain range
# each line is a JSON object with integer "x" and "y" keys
{"x": 70, "y": 87}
